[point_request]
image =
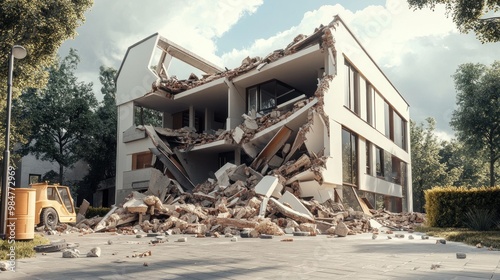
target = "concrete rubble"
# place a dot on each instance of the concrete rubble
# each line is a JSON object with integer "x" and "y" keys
{"x": 279, "y": 191}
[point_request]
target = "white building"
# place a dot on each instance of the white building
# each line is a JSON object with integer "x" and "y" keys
{"x": 351, "y": 116}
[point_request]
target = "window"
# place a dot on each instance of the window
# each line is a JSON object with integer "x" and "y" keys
{"x": 349, "y": 157}
{"x": 370, "y": 104}
{"x": 379, "y": 166}
{"x": 147, "y": 116}
{"x": 394, "y": 126}
{"x": 368, "y": 158}
{"x": 266, "y": 96}
{"x": 399, "y": 130}
{"x": 387, "y": 120}
{"x": 351, "y": 95}
{"x": 388, "y": 172}
{"x": 142, "y": 160}
{"x": 35, "y": 178}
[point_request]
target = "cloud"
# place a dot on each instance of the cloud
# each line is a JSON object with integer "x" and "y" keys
{"x": 112, "y": 26}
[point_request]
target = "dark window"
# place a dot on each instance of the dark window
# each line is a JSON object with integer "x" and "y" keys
{"x": 388, "y": 172}
{"x": 349, "y": 157}
{"x": 142, "y": 160}
{"x": 379, "y": 166}
{"x": 399, "y": 130}
{"x": 266, "y": 96}
{"x": 35, "y": 178}
{"x": 351, "y": 97}
{"x": 370, "y": 108}
{"x": 387, "y": 120}
{"x": 368, "y": 158}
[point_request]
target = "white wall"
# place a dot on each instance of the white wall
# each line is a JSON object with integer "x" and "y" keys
{"x": 30, "y": 165}
{"x": 135, "y": 78}
{"x": 340, "y": 116}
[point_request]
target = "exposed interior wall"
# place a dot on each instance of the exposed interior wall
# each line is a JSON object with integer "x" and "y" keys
{"x": 200, "y": 165}
{"x": 135, "y": 77}
{"x": 236, "y": 105}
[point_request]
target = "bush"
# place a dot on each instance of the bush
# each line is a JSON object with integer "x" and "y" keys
{"x": 99, "y": 211}
{"x": 480, "y": 219}
{"x": 23, "y": 249}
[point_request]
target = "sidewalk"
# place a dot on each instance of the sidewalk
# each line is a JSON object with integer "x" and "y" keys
{"x": 318, "y": 257}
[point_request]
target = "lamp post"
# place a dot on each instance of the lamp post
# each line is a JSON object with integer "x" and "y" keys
{"x": 18, "y": 52}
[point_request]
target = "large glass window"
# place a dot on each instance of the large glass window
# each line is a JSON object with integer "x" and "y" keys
{"x": 349, "y": 157}
{"x": 399, "y": 131}
{"x": 387, "y": 119}
{"x": 368, "y": 158}
{"x": 388, "y": 172}
{"x": 142, "y": 160}
{"x": 379, "y": 162}
{"x": 252, "y": 99}
{"x": 266, "y": 96}
{"x": 370, "y": 104}
{"x": 351, "y": 97}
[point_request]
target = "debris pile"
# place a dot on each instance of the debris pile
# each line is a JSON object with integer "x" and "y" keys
{"x": 240, "y": 200}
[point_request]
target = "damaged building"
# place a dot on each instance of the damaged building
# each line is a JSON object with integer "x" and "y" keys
{"x": 315, "y": 121}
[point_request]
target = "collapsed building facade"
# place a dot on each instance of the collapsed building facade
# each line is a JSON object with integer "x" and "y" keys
{"x": 317, "y": 120}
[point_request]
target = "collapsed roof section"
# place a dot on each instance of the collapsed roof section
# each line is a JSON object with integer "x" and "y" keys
{"x": 169, "y": 86}
{"x": 287, "y": 147}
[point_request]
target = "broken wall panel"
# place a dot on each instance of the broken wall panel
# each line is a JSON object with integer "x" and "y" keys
{"x": 316, "y": 135}
{"x": 315, "y": 190}
{"x": 295, "y": 203}
{"x": 173, "y": 168}
{"x": 272, "y": 147}
{"x": 269, "y": 186}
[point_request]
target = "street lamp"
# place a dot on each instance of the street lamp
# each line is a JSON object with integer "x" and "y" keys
{"x": 18, "y": 52}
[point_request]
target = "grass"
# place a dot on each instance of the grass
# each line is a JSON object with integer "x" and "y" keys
{"x": 23, "y": 249}
{"x": 468, "y": 236}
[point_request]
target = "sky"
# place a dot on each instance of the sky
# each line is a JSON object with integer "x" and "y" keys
{"x": 419, "y": 51}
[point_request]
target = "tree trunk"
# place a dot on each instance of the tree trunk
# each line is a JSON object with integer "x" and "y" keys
{"x": 492, "y": 165}
{"x": 61, "y": 170}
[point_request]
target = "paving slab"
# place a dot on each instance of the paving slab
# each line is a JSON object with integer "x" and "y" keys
{"x": 306, "y": 257}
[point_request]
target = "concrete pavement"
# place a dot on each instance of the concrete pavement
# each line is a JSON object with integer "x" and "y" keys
{"x": 308, "y": 257}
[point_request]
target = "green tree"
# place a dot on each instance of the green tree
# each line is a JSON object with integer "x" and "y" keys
{"x": 101, "y": 155}
{"x": 427, "y": 170}
{"x": 474, "y": 15}
{"x": 463, "y": 168}
{"x": 477, "y": 117}
{"x": 41, "y": 27}
{"x": 60, "y": 116}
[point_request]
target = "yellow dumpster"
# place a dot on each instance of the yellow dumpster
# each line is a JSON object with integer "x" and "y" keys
{"x": 21, "y": 216}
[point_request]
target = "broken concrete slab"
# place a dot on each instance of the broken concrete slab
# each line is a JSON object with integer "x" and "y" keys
{"x": 314, "y": 189}
{"x": 158, "y": 184}
{"x": 238, "y": 134}
{"x": 240, "y": 224}
{"x": 174, "y": 168}
{"x": 263, "y": 207}
{"x": 295, "y": 203}
{"x": 222, "y": 175}
{"x": 316, "y": 135}
{"x": 269, "y": 186}
{"x": 276, "y": 143}
{"x": 341, "y": 230}
{"x": 289, "y": 212}
{"x": 102, "y": 224}
{"x": 82, "y": 210}
{"x": 94, "y": 252}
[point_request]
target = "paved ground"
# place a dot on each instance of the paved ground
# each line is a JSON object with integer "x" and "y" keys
{"x": 319, "y": 257}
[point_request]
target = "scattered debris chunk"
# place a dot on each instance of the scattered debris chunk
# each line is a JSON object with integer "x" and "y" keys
{"x": 94, "y": 252}
{"x": 461, "y": 255}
